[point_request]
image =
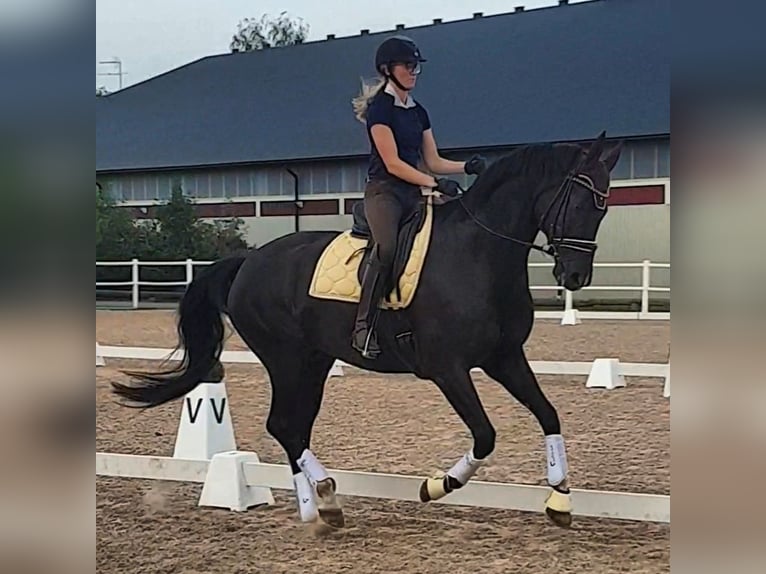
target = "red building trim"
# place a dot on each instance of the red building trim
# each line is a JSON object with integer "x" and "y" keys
{"x": 204, "y": 210}
{"x": 349, "y": 203}
{"x": 310, "y": 207}
{"x": 637, "y": 195}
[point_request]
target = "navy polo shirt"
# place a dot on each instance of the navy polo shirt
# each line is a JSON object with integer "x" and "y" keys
{"x": 407, "y": 120}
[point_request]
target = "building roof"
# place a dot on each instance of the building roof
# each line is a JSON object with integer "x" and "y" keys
{"x": 562, "y": 73}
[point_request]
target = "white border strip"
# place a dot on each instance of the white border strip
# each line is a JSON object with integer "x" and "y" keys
{"x": 539, "y": 367}
{"x": 593, "y": 503}
{"x": 608, "y": 315}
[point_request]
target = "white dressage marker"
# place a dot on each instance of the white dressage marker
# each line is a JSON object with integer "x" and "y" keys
{"x": 226, "y": 487}
{"x": 571, "y": 317}
{"x": 605, "y": 374}
{"x": 205, "y": 428}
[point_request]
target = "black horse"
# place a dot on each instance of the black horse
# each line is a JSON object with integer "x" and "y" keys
{"x": 472, "y": 309}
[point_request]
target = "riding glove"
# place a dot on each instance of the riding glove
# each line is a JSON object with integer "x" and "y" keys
{"x": 448, "y": 187}
{"x": 476, "y": 165}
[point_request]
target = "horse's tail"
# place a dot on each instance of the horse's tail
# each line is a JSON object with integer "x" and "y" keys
{"x": 200, "y": 332}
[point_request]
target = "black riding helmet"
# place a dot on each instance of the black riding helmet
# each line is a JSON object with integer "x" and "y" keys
{"x": 397, "y": 50}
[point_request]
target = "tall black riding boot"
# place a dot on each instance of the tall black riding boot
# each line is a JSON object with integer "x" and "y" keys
{"x": 364, "y": 339}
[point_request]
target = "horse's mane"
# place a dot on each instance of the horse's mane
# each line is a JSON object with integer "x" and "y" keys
{"x": 536, "y": 161}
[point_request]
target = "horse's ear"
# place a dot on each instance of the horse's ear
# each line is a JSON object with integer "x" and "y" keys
{"x": 596, "y": 149}
{"x": 611, "y": 157}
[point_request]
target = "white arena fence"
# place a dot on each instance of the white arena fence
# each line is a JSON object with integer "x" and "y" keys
{"x": 257, "y": 475}
{"x": 606, "y": 373}
{"x": 569, "y": 314}
{"x": 205, "y": 452}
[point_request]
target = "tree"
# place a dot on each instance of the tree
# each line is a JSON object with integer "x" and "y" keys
{"x": 174, "y": 232}
{"x": 177, "y": 227}
{"x": 116, "y": 233}
{"x": 266, "y": 33}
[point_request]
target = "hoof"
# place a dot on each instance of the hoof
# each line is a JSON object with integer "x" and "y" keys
{"x": 437, "y": 487}
{"x": 432, "y": 489}
{"x": 333, "y": 517}
{"x": 558, "y": 507}
{"x": 423, "y": 492}
{"x": 562, "y": 519}
{"x": 327, "y": 504}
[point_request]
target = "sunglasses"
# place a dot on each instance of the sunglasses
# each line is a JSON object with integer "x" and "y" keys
{"x": 412, "y": 67}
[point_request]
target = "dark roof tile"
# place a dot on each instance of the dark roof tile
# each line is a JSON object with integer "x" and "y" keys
{"x": 556, "y": 74}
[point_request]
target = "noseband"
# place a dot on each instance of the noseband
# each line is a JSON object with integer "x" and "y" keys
{"x": 556, "y": 243}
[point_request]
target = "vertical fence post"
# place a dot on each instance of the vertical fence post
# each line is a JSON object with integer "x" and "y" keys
{"x": 645, "y": 282}
{"x": 189, "y": 272}
{"x": 571, "y": 317}
{"x": 134, "y": 263}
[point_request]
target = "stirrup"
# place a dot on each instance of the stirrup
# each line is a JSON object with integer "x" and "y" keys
{"x": 365, "y": 351}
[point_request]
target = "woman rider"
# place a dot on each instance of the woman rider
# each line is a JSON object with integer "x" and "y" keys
{"x": 400, "y": 135}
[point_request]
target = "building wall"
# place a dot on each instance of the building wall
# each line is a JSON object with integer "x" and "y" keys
{"x": 628, "y": 233}
{"x": 261, "y": 230}
{"x": 640, "y": 159}
{"x": 264, "y": 198}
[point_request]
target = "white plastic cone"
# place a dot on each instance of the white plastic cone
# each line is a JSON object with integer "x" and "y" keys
{"x": 605, "y": 374}
{"x": 571, "y": 317}
{"x": 205, "y": 428}
{"x": 225, "y": 484}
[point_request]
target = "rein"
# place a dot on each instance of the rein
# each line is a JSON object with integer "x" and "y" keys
{"x": 565, "y": 188}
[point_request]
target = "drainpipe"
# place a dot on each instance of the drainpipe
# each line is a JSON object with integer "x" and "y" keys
{"x": 298, "y": 202}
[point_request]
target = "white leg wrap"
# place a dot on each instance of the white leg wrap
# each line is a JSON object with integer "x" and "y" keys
{"x": 311, "y": 467}
{"x": 304, "y": 492}
{"x": 557, "y": 459}
{"x": 465, "y": 468}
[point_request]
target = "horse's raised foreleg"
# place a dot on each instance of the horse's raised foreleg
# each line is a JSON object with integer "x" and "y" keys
{"x": 459, "y": 390}
{"x": 511, "y": 369}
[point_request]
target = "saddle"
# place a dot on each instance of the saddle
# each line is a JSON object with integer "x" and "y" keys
{"x": 339, "y": 270}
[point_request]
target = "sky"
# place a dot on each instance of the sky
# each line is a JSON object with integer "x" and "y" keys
{"x": 151, "y": 37}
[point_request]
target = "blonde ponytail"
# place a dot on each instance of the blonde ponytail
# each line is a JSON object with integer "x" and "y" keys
{"x": 368, "y": 92}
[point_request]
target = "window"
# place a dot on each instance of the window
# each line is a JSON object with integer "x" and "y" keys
{"x": 203, "y": 185}
{"x": 189, "y": 185}
{"x": 216, "y": 184}
{"x": 273, "y": 182}
{"x": 349, "y": 178}
{"x": 113, "y": 189}
{"x": 121, "y": 191}
{"x": 165, "y": 187}
{"x": 316, "y": 180}
{"x": 244, "y": 183}
{"x": 138, "y": 188}
{"x": 230, "y": 183}
{"x": 335, "y": 180}
{"x": 622, "y": 169}
{"x": 361, "y": 175}
{"x": 644, "y": 160}
{"x": 260, "y": 181}
{"x": 663, "y": 158}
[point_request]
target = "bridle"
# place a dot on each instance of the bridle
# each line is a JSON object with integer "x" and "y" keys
{"x": 556, "y": 243}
